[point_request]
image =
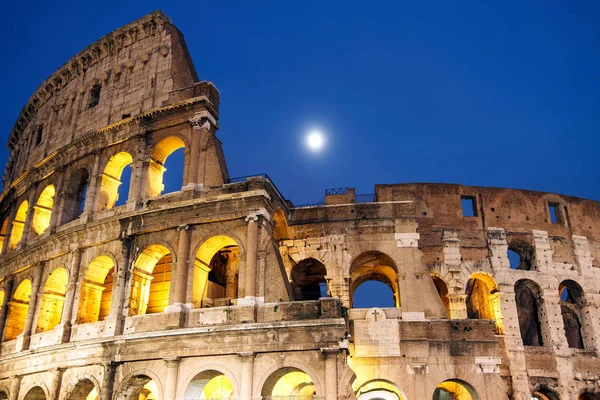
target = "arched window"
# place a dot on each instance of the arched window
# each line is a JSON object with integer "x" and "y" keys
{"x": 111, "y": 181}
{"x": 158, "y": 165}
{"x": 455, "y": 389}
{"x": 521, "y": 255}
{"x": 529, "y": 310}
{"x": 374, "y": 281}
{"x": 52, "y": 300}
{"x": 74, "y": 195}
{"x": 84, "y": 390}
{"x": 442, "y": 290}
{"x": 96, "y": 290}
{"x": 482, "y": 300}
{"x": 289, "y": 382}
{"x": 18, "y": 224}
{"x": 3, "y": 233}
{"x": 209, "y": 385}
{"x": 139, "y": 387}
{"x": 571, "y": 300}
{"x": 42, "y": 211}
{"x": 216, "y": 272}
{"x": 308, "y": 280}
{"x": 36, "y": 393}
{"x": 17, "y": 311}
{"x": 151, "y": 281}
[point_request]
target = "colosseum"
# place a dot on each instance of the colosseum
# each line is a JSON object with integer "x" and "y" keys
{"x": 224, "y": 289}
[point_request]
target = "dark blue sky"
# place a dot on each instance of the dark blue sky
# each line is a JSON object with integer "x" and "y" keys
{"x": 482, "y": 94}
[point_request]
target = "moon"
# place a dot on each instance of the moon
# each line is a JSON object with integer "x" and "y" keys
{"x": 315, "y": 141}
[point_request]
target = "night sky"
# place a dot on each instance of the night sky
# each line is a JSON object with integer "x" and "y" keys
{"x": 501, "y": 95}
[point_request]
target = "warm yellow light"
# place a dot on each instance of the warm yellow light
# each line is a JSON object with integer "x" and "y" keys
{"x": 18, "y": 224}
{"x": 111, "y": 180}
{"x": 219, "y": 387}
{"x": 93, "y": 305}
{"x": 17, "y": 311}
{"x": 459, "y": 392}
{"x": 145, "y": 281}
{"x": 52, "y": 301}
{"x": 42, "y": 210}
{"x": 156, "y": 168}
{"x": 293, "y": 384}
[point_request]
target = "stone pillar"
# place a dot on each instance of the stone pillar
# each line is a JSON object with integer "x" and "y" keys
{"x": 119, "y": 301}
{"x": 543, "y": 251}
{"x": 171, "y": 378}
{"x": 582, "y": 251}
{"x": 247, "y": 359}
{"x": 193, "y": 178}
{"x": 458, "y": 306}
{"x": 498, "y": 248}
{"x": 331, "y": 378}
{"x": 8, "y": 287}
{"x": 139, "y": 174}
{"x": 58, "y": 198}
{"x": 68, "y": 309}
{"x": 28, "y": 219}
{"x": 55, "y": 383}
{"x": 178, "y": 290}
{"x": 108, "y": 379}
{"x": 419, "y": 369}
{"x": 11, "y": 217}
{"x": 32, "y": 310}
{"x": 552, "y": 324}
{"x": 90, "y": 198}
{"x": 15, "y": 385}
{"x": 251, "y": 257}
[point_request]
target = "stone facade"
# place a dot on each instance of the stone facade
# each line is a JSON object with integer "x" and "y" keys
{"x": 224, "y": 289}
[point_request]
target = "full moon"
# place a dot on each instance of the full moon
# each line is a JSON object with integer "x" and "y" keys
{"x": 315, "y": 141}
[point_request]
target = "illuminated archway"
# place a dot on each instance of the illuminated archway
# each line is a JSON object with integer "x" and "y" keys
{"x": 289, "y": 382}
{"x": 151, "y": 280}
{"x": 42, "y": 211}
{"x": 308, "y": 280}
{"x": 379, "y": 389}
{"x": 74, "y": 195}
{"x": 96, "y": 290}
{"x": 52, "y": 300}
{"x": 84, "y": 390}
{"x": 455, "y": 389}
{"x": 139, "y": 387}
{"x": 216, "y": 268}
{"x": 483, "y": 301}
{"x": 375, "y": 266}
{"x": 17, "y": 311}
{"x": 36, "y": 393}
{"x": 18, "y": 224}
{"x": 442, "y": 290}
{"x": 111, "y": 180}
{"x": 3, "y": 232}
{"x": 209, "y": 384}
{"x": 156, "y": 169}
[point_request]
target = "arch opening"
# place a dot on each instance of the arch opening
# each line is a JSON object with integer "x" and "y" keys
{"x": 3, "y": 232}
{"x": 442, "y": 290}
{"x": 84, "y": 390}
{"x": 216, "y": 272}
{"x": 571, "y": 300}
{"x": 151, "y": 281}
{"x": 454, "y": 389}
{"x": 288, "y": 383}
{"x": 166, "y": 148}
{"x": 3, "y": 395}
{"x": 545, "y": 394}
{"x": 308, "y": 280}
{"x": 18, "y": 225}
{"x": 96, "y": 290}
{"x": 379, "y": 389}
{"x": 521, "y": 255}
{"x": 110, "y": 186}
{"x": 483, "y": 300}
{"x": 17, "y": 311}
{"x": 74, "y": 195}
{"x": 589, "y": 396}
{"x": 52, "y": 300}
{"x": 140, "y": 387}
{"x": 42, "y": 211}
{"x": 379, "y": 273}
{"x": 36, "y": 393}
{"x": 529, "y": 310}
{"x": 209, "y": 384}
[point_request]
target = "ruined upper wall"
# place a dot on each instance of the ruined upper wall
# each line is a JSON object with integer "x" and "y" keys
{"x": 136, "y": 68}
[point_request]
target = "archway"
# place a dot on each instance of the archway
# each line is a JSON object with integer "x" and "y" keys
{"x": 42, "y": 211}
{"x": 18, "y": 225}
{"x": 545, "y": 394}
{"x": 216, "y": 272}
{"x": 84, "y": 390}
{"x": 589, "y": 396}
{"x": 289, "y": 382}
{"x": 17, "y": 311}
{"x": 157, "y": 167}
{"x": 3, "y": 232}
{"x": 96, "y": 290}
{"x": 111, "y": 180}
{"x": 74, "y": 195}
{"x": 209, "y": 384}
{"x": 521, "y": 255}
{"x": 442, "y": 290}
{"x": 454, "y": 389}
{"x": 529, "y": 309}
{"x": 52, "y": 300}
{"x": 36, "y": 393}
{"x": 374, "y": 266}
{"x": 3, "y": 395}
{"x": 151, "y": 281}
{"x": 139, "y": 387}
{"x": 482, "y": 300}
{"x": 379, "y": 389}
{"x": 571, "y": 304}
{"x": 308, "y": 280}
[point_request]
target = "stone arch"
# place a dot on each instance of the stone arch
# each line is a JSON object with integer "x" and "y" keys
{"x": 18, "y": 224}
{"x": 42, "y": 211}
{"x": 96, "y": 290}
{"x": 139, "y": 382}
{"x": 374, "y": 266}
{"x": 216, "y": 271}
{"x": 3, "y": 229}
{"x": 52, "y": 300}
{"x": 442, "y": 288}
{"x": 571, "y": 308}
{"x": 17, "y": 311}
{"x": 483, "y": 300}
{"x": 111, "y": 180}
{"x": 545, "y": 394}
{"x": 36, "y": 393}
{"x": 521, "y": 255}
{"x": 151, "y": 280}
{"x": 265, "y": 382}
{"x": 287, "y": 382}
{"x": 379, "y": 389}
{"x": 211, "y": 382}
{"x": 74, "y": 195}
{"x": 84, "y": 389}
{"x": 530, "y": 308}
{"x": 160, "y": 152}
{"x": 307, "y": 279}
{"x": 455, "y": 389}
{"x": 3, "y": 394}
{"x": 589, "y": 396}
{"x": 219, "y": 369}
{"x": 280, "y": 225}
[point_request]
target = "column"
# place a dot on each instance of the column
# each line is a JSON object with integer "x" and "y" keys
{"x": 251, "y": 253}
{"x": 55, "y": 382}
{"x": 178, "y": 289}
{"x": 68, "y": 311}
{"x": 119, "y": 301}
{"x": 331, "y": 378}
{"x": 247, "y": 359}
{"x": 108, "y": 379}
{"x": 201, "y": 124}
{"x": 171, "y": 378}
{"x": 91, "y": 198}
{"x": 8, "y": 287}
{"x": 15, "y": 385}
{"x": 58, "y": 196}
{"x": 458, "y": 306}
{"x": 31, "y": 311}
{"x": 28, "y": 219}
{"x": 139, "y": 174}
